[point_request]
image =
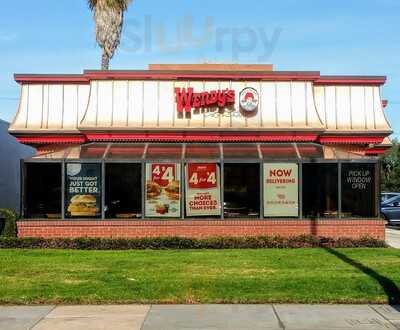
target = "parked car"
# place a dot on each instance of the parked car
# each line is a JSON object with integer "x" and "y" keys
{"x": 390, "y": 210}
{"x": 388, "y": 195}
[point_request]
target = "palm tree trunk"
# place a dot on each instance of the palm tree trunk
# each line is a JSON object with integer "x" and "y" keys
{"x": 105, "y": 61}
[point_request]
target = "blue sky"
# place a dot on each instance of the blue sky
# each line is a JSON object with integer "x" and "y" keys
{"x": 334, "y": 37}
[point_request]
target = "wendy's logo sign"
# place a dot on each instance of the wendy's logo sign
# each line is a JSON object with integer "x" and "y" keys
{"x": 249, "y": 99}
{"x": 187, "y": 99}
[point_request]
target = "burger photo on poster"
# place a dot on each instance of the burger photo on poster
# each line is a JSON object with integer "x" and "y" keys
{"x": 83, "y": 205}
{"x": 172, "y": 190}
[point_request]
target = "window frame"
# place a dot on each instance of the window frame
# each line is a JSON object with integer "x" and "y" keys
{"x": 183, "y": 161}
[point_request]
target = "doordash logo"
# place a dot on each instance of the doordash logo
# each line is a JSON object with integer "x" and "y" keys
{"x": 187, "y": 99}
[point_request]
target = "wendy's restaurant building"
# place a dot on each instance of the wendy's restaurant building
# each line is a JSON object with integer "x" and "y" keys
{"x": 199, "y": 151}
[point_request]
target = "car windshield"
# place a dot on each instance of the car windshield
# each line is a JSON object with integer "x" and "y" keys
{"x": 392, "y": 200}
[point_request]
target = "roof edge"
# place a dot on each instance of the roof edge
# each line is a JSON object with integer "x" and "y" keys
{"x": 89, "y": 75}
{"x": 351, "y": 80}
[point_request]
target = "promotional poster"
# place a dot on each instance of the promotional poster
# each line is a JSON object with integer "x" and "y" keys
{"x": 281, "y": 196}
{"x": 163, "y": 190}
{"x": 203, "y": 191}
{"x": 83, "y": 190}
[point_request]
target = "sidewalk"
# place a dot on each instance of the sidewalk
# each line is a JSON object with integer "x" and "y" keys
{"x": 201, "y": 317}
{"x": 393, "y": 237}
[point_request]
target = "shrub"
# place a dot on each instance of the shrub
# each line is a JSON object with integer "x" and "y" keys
{"x": 188, "y": 243}
{"x": 10, "y": 229}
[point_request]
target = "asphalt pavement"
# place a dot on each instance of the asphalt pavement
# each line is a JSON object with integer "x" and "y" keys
{"x": 201, "y": 317}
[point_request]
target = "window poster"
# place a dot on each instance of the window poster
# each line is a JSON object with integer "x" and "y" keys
{"x": 163, "y": 190}
{"x": 203, "y": 190}
{"x": 358, "y": 190}
{"x": 281, "y": 190}
{"x": 83, "y": 190}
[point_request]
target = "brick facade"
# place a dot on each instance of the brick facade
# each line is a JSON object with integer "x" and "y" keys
{"x": 202, "y": 228}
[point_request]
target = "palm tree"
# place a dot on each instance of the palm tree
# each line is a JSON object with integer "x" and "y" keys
{"x": 109, "y": 18}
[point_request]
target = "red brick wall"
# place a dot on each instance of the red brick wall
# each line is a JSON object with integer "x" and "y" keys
{"x": 201, "y": 228}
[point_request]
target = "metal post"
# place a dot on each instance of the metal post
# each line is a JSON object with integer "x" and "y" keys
{"x": 378, "y": 188}
{"x": 22, "y": 201}
{"x": 103, "y": 190}
{"x": 222, "y": 183}
{"x": 143, "y": 189}
{"x": 183, "y": 191}
{"x": 340, "y": 189}
{"x": 222, "y": 187}
{"x": 300, "y": 192}
{"x": 262, "y": 180}
{"x": 63, "y": 165}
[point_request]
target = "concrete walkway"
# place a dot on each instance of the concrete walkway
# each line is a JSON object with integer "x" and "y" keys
{"x": 201, "y": 317}
{"x": 393, "y": 237}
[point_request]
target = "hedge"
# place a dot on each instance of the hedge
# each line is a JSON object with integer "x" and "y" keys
{"x": 188, "y": 243}
{"x": 10, "y": 229}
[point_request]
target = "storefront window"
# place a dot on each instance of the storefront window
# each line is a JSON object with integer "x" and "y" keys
{"x": 163, "y": 190}
{"x": 281, "y": 190}
{"x": 43, "y": 190}
{"x": 83, "y": 190}
{"x": 358, "y": 190}
{"x": 203, "y": 190}
{"x": 123, "y": 196}
{"x": 147, "y": 180}
{"x": 320, "y": 190}
{"x": 241, "y": 190}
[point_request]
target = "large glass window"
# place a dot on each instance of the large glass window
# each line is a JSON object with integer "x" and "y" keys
{"x": 83, "y": 190}
{"x": 123, "y": 198}
{"x": 320, "y": 190}
{"x": 358, "y": 190}
{"x": 43, "y": 190}
{"x": 175, "y": 180}
{"x": 241, "y": 190}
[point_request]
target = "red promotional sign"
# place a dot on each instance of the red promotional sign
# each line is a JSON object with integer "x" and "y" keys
{"x": 202, "y": 176}
{"x": 203, "y": 190}
{"x": 163, "y": 174}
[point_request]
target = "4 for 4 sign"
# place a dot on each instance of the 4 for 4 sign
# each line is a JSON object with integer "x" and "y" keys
{"x": 202, "y": 176}
{"x": 203, "y": 190}
{"x": 163, "y": 174}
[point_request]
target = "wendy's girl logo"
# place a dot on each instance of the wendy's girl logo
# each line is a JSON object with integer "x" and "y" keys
{"x": 249, "y": 99}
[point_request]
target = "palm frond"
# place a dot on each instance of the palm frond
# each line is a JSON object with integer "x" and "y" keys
{"x": 114, "y": 4}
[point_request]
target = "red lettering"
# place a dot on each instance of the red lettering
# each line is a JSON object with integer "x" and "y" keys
{"x": 212, "y": 98}
{"x": 204, "y": 97}
{"x": 221, "y": 99}
{"x": 230, "y": 97}
{"x": 196, "y": 100}
{"x": 187, "y": 99}
{"x": 184, "y": 99}
{"x": 283, "y": 172}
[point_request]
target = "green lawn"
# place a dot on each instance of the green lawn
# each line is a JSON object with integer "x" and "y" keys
{"x": 200, "y": 276}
